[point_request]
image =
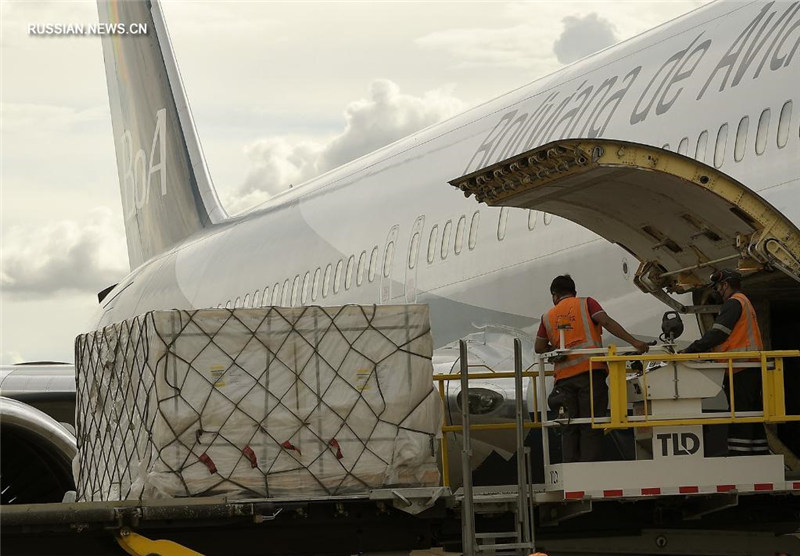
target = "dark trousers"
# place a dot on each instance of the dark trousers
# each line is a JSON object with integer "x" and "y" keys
{"x": 746, "y": 439}
{"x": 581, "y": 442}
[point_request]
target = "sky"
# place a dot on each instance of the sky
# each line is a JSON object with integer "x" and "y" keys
{"x": 280, "y": 92}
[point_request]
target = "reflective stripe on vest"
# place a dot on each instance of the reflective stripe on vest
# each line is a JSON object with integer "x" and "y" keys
{"x": 582, "y": 333}
{"x": 745, "y": 336}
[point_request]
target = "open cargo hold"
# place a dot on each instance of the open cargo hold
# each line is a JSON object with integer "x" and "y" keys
{"x": 270, "y": 402}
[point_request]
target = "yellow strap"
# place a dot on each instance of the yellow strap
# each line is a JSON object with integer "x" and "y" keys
{"x": 137, "y": 545}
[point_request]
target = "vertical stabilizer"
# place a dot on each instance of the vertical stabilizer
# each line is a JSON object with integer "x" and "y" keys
{"x": 167, "y": 193}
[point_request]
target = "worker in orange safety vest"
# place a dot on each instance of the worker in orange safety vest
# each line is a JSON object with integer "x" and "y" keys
{"x": 736, "y": 329}
{"x": 581, "y": 319}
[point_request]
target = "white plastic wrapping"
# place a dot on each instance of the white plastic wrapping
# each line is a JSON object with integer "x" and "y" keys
{"x": 271, "y": 402}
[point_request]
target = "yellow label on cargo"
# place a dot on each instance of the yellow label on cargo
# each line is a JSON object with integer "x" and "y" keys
{"x": 362, "y": 379}
{"x": 217, "y": 373}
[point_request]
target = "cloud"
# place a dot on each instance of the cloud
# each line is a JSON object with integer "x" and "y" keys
{"x": 370, "y": 123}
{"x": 277, "y": 163}
{"x": 388, "y": 115}
{"x": 64, "y": 256}
{"x": 583, "y": 36}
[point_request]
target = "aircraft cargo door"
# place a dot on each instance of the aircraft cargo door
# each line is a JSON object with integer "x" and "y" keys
{"x": 679, "y": 217}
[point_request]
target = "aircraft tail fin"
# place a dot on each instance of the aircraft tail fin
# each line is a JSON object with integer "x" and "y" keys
{"x": 167, "y": 193}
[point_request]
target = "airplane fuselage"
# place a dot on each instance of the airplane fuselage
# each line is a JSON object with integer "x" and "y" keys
{"x": 721, "y": 86}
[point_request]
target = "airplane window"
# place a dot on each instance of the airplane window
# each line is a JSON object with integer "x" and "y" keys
{"x": 257, "y": 298}
{"x": 387, "y": 259}
{"x": 337, "y": 277}
{"x": 295, "y": 289}
{"x": 276, "y": 294}
{"x": 432, "y": 242}
{"x": 763, "y": 131}
{"x": 304, "y": 291}
{"x": 285, "y": 294}
{"x": 547, "y": 218}
{"x": 532, "y": 219}
{"x": 448, "y": 227}
{"x": 459, "y": 243}
{"x": 362, "y": 261}
{"x": 501, "y": 223}
{"x": 719, "y": 148}
{"x": 741, "y": 139}
{"x": 373, "y": 263}
{"x": 237, "y": 303}
{"x": 702, "y": 146}
{"x": 683, "y": 146}
{"x": 784, "y": 122}
{"x": 348, "y": 276}
{"x": 413, "y": 250}
{"x": 473, "y": 229}
{"x": 228, "y": 304}
{"x": 247, "y": 300}
{"x": 315, "y": 284}
{"x": 326, "y": 281}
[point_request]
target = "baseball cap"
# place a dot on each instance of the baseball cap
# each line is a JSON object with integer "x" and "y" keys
{"x": 725, "y": 275}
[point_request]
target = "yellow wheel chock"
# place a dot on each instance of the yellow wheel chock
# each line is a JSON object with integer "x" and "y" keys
{"x": 138, "y": 545}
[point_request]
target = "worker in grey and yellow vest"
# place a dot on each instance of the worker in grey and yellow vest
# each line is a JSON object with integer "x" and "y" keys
{"x": 582, "y": 320}
{"x": 736, "y": 329}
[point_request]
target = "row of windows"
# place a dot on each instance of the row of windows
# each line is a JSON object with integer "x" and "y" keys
{"x": 443, "y": 246}
{"x": 740, "y": 141}
{"x": 319, "y": 285}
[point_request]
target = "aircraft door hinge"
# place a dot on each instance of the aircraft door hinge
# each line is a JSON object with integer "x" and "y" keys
{"x": 651, "y": 278}
{"x": 766, "y": 250}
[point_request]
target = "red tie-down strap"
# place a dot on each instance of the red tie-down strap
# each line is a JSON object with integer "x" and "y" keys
{"x": 333, "y": 443}
{"x": 206, "y": 459}
{"x": 251, "y": 455}
{"x": 289, "y": 446}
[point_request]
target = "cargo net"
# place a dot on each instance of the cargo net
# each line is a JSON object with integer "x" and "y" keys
{"x": 253, "y": 403}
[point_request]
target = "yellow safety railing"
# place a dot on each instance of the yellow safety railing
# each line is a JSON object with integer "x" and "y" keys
{"x": 441, "y": 379}
{"x": 774, "y": 397}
